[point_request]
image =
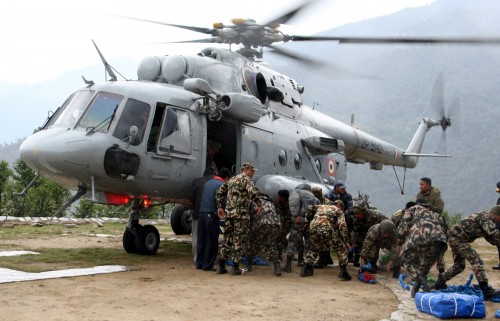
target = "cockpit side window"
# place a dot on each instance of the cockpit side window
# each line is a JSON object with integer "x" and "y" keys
{"x": 101, "y": 112}
{"x": 175, "y": 132}
{"x": 135, "y": 113}
{"x": 72, "y": 109}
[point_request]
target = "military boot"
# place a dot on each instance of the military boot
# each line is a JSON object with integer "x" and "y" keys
{"x": 307, "y": 270}
{"x": 440, "y": 283}
{"x": 288, "y": 265}
{"x": 396, "y": 271}
{"x": 320, "y": 264}
{"x": 300, "y": 259}
{"x": 249, "y": 264}
{"x": 355, "y": 260}
{"x": 488, "y": 291}
{"x": 235, "y": 270}
{"x": 343, "y": 275}
{"x": 277, "y": 268}
{"x": 222, "y": 267}
{"x": 328, "y": 258}
{"x": 418, "y": 284}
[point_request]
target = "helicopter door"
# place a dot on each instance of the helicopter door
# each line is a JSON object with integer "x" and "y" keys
{"x": 257, "y": 146}
{"x": 222, "y": 146}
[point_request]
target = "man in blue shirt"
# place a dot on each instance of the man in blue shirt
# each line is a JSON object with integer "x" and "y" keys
{"x": 208, "y": 222}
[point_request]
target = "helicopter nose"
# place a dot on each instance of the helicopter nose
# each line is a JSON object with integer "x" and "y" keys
{"x": 56, "y": 152}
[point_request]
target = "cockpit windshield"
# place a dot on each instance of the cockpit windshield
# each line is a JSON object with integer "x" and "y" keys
{"x": 101, "y": 112}
{"x": 73, "y": 108}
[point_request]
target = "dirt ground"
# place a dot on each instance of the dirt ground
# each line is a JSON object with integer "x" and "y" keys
{"x": 177, "y": 291}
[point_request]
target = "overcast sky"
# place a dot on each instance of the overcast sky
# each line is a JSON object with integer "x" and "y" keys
{"x": 42, "y": 39}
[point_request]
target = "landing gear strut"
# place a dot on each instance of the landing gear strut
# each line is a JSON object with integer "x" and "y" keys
{"x": 139, "y": 239}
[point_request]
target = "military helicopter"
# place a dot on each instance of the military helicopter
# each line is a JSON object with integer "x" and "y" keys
{"x": 142, "y": 141}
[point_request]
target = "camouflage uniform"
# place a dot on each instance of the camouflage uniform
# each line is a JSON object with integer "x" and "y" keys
{"x": 433, "y": 198}
{"x": 374, "y": 241}
{"x": 239, "y": 191}
{"x": 463, "y": 233}
{"x": 422, "y": 236}
{"x": 328, "y": 230}
{"x": 360, "y": 227}
{"x": 286, "y": 224}
{"x": 396, "y": 217}
{"x": 264, "y": 228}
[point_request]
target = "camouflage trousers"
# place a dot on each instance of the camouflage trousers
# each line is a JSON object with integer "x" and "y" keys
{"x": 419, "y": 260}
{"x": 282, "y": 241}
{"x": 263, "y": 240}
{"x": 235, "y": 237}
{"x": 462, "y": 251}
{"x": 298, "y": 239}
{"x": 322, "y": 240}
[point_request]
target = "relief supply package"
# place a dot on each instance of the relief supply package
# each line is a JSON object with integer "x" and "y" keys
{"x": 450, "y": 305}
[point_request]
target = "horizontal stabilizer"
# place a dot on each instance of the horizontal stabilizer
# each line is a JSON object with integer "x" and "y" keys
{"x": 425, "y": 155}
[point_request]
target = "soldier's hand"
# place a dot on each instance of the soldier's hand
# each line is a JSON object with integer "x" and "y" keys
{"x": 220, "y": 213}
{"x": 259, "y": 210}
{"x": 347, "y": 245}
{"x": 297, "y": 220}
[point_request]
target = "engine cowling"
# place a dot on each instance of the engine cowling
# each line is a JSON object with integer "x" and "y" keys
{"x": 242, "y": 107}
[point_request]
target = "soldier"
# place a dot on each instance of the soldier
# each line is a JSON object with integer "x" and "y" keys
{"x": 422, "y": 237}
{"x": 264, "y": 229}
{"x": 396, "y": 217}
{"x": 324, "y": 257}
{"x": 283, "y": 210}
{"x": 381, "y": 236}
{"x": 431, "y": 194}
{"x": 497, "y": 267}
{"x": 363, "y": 219}
{"x": 298, "y": 239}
{"x": 239, "y": 192}
{"x": 474, "y": 226}
{"x": 328, "y": 230}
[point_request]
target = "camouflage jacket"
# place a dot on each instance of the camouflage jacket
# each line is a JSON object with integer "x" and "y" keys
{"x": 433, "y": 198}
{"x": 239, "y": 192}
{"x": 267, "y": 215}
{"x": 374, "y": 240}
{"x": 283, "y": 210}
{"x": 327, "y": 216}
{"x": 419, "y": 227}
{"x": 396, "y": 217}
{"x": 360, "y": 227}
{"x": 475, "y": 226}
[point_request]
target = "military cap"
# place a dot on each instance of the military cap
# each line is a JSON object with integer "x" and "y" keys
{"x": 496, "y": 210}
{"x": 340, "y": 184}
{"x": 498, "y": 187}
{"x": 246, "y": 166}
{"x": 387, "y": 227}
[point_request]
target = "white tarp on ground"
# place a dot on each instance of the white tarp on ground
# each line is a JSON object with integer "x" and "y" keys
{"x": 15, "y": 253}
{"x": 7, "y": 275}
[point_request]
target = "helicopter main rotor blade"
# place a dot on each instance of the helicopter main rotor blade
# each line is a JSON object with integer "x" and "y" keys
{"x": 207, "y": 31}
{"x": 382, "y": 40}
{"x": 288, "y": 15}
{"x": 206, "y": 40}
{"x": 294, "y": 56}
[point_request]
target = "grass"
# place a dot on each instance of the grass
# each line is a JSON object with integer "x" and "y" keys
{"x": 59, "y": 258}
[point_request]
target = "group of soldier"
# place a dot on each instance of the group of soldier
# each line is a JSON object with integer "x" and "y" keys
{"x": 310, "y": 223}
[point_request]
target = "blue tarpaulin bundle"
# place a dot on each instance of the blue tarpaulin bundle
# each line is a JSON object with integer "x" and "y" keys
{"x": 450, "y": 305}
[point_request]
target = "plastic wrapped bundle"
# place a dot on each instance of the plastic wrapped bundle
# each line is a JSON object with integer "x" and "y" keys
{"x": 450, "y": 305}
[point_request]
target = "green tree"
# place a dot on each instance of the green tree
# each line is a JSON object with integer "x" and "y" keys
{"x": 85, "y": 209}
{"x": 5, "y": 174}
{"x": 452, "y": 219}
{"x": 43, "y": 198}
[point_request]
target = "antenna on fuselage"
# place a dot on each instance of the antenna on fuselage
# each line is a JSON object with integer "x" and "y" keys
{"x": 108, "y": 67}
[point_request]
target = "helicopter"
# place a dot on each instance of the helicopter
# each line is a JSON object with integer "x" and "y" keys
{"x": 146, "y": 140}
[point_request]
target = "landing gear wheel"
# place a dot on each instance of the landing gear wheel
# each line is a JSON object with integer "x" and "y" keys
{"x": 147, "y": 240}
{"x": 129, "y": 241}
{"x": 181, "y": 219}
